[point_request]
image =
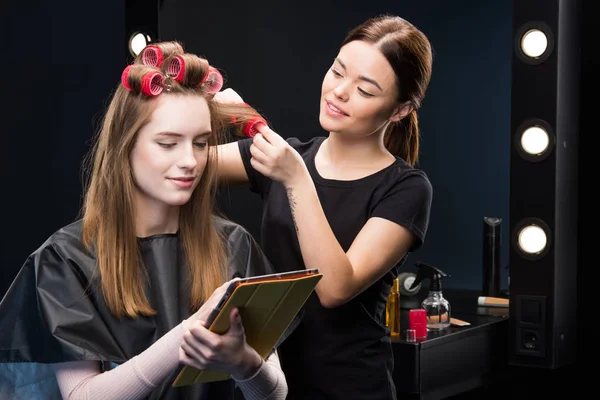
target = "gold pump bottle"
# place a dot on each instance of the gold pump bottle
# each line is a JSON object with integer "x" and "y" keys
{"x": 392, "y": 311}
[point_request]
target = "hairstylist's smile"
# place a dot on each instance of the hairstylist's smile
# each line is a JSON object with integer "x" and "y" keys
{"x": 334, "y": 110}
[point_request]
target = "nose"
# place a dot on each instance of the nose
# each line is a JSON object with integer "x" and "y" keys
{"x": 187, "y": 159}
{"x": 341, "y": 91}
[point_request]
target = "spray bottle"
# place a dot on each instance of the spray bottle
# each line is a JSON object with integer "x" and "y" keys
{"x": 435, "y": 305}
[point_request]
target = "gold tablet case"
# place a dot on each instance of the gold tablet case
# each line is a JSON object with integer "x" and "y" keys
{"x": 267, "y": 308}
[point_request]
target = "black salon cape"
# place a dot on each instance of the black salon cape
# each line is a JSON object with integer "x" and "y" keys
{"x": 54, "y": 312}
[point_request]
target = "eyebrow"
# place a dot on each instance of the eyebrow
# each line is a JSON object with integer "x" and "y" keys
{"x": 362, "y": 77}
{"x": 173, "y": 134}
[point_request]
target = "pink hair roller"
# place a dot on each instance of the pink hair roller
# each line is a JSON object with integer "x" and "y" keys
{"x": 125, "y": 77}
{"x": 213, "y": 80}
{"x": 251, "y": 127}
{"x": 152, "y": 83}
{"x": 176, "y": 68}
{"x": 152, "y": 56}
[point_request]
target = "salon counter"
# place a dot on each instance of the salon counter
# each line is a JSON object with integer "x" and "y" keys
{"x": 456, "y": 360}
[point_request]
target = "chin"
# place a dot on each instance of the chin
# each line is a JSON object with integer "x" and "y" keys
{"x": 326, "y": 124}
{"x": 180, "y": 201}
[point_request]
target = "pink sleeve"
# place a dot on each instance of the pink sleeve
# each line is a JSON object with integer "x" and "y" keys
{"x": 137, "y": 377}
{"x": 133, "y": 379}
{"x": 268, "y": 383}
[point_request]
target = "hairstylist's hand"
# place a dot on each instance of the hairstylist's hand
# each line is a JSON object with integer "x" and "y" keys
{"x": 228, "y": 96}
{"x": 200, "y": 316}
{"x": 273, "y": 157}
{"x": 229, "y": 352}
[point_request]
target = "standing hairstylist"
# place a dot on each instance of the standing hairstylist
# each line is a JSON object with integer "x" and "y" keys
{"x": 351, "y": 204}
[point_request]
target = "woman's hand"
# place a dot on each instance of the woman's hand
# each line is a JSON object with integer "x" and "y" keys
{"x": 228, "y": 96}
{"x": 209, "y": 305}
{"x": 203, "y": 349}
{"x": 273, "y": 157}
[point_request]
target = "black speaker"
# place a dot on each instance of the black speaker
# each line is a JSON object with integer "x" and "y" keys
{"x": 544, "y": 182}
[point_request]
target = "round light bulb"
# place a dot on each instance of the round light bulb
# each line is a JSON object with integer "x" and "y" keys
{"x": 535, "y": 140}
{"x": 532, "y": 239}
{"x": 534, "y": 43}
{"x": 138, "y": 42}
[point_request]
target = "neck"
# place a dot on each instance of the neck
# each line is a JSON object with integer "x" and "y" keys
{"x": 341, "y": 149}
{"x": 154, "y": 220}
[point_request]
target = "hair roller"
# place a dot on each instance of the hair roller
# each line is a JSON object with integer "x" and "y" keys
{"x": 152, "y": 56}
{"x": 250, "y": 128}
{"x": 125, "y": 77}
{"x": 176, "y": 68}
{"x": 153, "y": 83}
{"x": 213, "y": 80}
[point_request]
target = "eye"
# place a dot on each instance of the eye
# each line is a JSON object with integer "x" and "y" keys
{"x": 166, "y": 145}
{"x": 364, "y": 93}
{"x": 200, "y": 145}
{"x": 336, "y": 73}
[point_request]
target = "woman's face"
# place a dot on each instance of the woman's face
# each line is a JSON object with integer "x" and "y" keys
{"x": 359, "y": 92}
{"x": 171, "y": 151}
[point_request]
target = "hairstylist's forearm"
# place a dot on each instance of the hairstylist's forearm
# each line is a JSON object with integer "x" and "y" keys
{"x": 319, "y": 246}
{"x": 133, "y": 379}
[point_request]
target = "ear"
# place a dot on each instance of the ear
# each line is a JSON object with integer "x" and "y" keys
{"x": 401, "y": 111}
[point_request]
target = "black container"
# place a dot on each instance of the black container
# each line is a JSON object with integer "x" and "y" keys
{"x": 491, "y": 256}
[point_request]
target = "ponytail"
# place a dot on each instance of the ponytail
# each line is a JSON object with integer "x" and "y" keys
{"x": 402, "y": 138}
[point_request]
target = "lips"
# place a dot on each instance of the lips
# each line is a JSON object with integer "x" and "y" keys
{"x": 333, "y": 107}
{"x": 183, "y": 182}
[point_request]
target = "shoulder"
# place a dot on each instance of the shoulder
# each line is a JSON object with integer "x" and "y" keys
{"x": 402, "y": 184}
{"x": 232, "y": 232}
{"x": 410, "y": 178}
{"x": 244, "y": 255}
{"x": 62, "y": 257}
{"x": 64, "y": 241}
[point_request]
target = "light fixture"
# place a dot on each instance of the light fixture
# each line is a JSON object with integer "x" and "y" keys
{"x": 534, "y": 139}
{"x": 532, "y": 238}
{"x": 138, "y": 41}
{"x": 534, "y": 42}
{"x": 543, "y": 213}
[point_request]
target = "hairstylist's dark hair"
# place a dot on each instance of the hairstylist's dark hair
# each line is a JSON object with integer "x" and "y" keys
{"x": 409, "y": 53}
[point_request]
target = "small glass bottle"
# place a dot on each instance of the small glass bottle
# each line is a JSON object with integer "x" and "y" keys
{"x": 438, "y": 311}
{"x": 392, "y": 311}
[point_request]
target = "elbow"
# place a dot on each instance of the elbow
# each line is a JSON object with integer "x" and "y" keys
{"x": 332, "y": 300}
{"x": 335, "y": 293}
{"x": 283, "y": 390}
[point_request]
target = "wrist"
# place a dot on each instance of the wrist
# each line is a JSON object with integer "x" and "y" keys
{"x": 299, "y": 180}
{"x": 248, "y": 367}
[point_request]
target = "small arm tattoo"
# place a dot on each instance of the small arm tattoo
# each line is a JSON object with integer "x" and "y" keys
{"x": 292, "y": 200}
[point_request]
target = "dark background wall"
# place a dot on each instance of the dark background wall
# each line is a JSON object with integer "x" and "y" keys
{"x": 275, "y": 55}
{"x": 62, "y": 60}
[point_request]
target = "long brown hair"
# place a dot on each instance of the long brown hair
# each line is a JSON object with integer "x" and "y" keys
{"x": 409, "y": 53}
{"x": 108, "y": 211}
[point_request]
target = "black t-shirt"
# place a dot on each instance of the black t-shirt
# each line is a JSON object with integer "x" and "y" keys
{"x": 344, "y": 352}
